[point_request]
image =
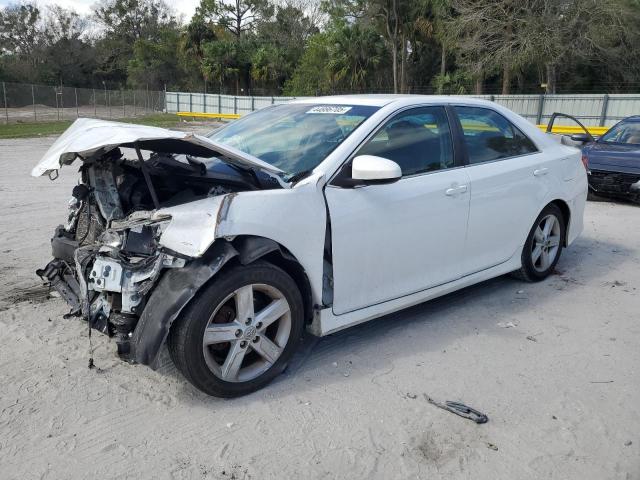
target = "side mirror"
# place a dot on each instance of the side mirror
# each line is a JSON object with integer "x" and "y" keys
{"x": 370, "y": 169}
{"x": 581, "y": 137}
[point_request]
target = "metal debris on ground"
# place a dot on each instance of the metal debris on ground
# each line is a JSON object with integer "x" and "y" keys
{"x": 459, "y": 409}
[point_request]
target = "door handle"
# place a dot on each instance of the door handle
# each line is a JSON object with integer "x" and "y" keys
{"x": 540, "y": 172}
{"x": 453, "y": 191}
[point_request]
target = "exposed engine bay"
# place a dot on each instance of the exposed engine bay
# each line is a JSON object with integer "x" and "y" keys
{"x": 107, "y": 258}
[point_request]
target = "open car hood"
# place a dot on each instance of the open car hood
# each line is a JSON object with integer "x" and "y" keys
{"x": 87, "y": 137}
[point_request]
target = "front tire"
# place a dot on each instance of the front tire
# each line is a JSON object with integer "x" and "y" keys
{"x": 543, "y": 247}
{"x": 240, "y": 331}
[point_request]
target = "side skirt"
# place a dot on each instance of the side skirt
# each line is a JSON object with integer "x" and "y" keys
{"x": 325, "y": 322}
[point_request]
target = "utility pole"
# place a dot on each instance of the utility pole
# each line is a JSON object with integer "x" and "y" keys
{"x": 33, "y": 100}
{"x": 105, "y": 96}
{"x": 62, "y": 100}
{"x": 55, "y": 92}
{"x": 6, "y": 108}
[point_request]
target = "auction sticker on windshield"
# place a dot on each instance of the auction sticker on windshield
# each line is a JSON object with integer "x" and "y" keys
{"x": 333, "y": 109}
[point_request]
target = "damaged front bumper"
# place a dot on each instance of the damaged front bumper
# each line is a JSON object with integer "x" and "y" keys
{"x": 131, "y": 279}
{"x": 107, "y": 283}
{"x": 626, "y": 185}
{"x": 140, "y": 237}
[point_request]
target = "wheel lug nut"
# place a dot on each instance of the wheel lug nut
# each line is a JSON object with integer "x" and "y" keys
{"x": 238, "y": 333}
{"x": 248, "y": 322}
{"x": 243, "y": 344}
{"x": 256, "y": 339}
{"x": 259, "y": 325}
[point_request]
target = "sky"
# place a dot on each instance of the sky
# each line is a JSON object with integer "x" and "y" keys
{"x": 184, "y": 7}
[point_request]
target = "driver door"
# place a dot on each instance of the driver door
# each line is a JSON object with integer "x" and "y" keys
{"x": 396, "y": 239}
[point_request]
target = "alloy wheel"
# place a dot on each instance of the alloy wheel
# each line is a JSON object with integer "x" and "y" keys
{"x": 247, "y": 333}
{"x": 546, "y": 243}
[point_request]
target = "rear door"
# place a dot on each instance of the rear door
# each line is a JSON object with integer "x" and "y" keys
{"x": 509, "y": 181}
{"x": 396, "y": 239}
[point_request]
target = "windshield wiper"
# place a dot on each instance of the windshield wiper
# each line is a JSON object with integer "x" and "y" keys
{"x": 296, "y": 177}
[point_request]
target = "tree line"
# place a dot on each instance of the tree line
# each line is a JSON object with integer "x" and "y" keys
{"x": 313, "y": 47}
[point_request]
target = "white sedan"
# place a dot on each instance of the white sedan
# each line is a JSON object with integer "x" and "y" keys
{"x": 318, "y": 215}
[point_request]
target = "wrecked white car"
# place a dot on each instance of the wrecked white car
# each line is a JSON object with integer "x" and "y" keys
{"x": 317, "y": 215}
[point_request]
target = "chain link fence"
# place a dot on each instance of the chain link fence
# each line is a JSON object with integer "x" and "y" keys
{"x": 23, "y": 103}
{"x": 39, "y": 103}
{"x": 215, "y": 103}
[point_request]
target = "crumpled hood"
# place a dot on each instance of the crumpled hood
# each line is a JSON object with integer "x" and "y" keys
{"x": 87, "y": 137}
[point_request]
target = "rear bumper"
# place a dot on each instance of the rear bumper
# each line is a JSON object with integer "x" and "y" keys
{"x": 615, "y": 183}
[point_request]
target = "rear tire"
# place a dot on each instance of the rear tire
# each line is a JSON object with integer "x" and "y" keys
{"x": 543, "y": 247}
{"x": 240, "y": 331}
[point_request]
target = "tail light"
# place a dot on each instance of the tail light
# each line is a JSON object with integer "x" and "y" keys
{"x": 585, "y": 162}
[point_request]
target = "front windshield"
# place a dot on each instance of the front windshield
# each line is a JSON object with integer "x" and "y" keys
{"x": 294, "y": 137}
{"x": 627, "y": 132}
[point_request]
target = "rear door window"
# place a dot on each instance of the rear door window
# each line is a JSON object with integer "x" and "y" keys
{"x": 489, "y": 136}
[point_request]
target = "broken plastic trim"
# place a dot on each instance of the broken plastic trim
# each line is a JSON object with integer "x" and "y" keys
{"x": 173, "y": 292}
{"x": 460, "y": 409}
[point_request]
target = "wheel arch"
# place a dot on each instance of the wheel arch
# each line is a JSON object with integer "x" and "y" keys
{"x": 252, "y": 248}
{"x": 566, "y": 216}
{"x": 177, "y": 288}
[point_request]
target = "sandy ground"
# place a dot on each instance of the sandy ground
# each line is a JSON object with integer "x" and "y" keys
{"x": 555, "y": 365}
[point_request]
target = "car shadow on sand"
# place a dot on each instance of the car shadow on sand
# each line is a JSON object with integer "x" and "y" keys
{"x": 436, "y": 323}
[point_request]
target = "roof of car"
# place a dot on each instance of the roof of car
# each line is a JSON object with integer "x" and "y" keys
{"x": 380, "y": 100}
